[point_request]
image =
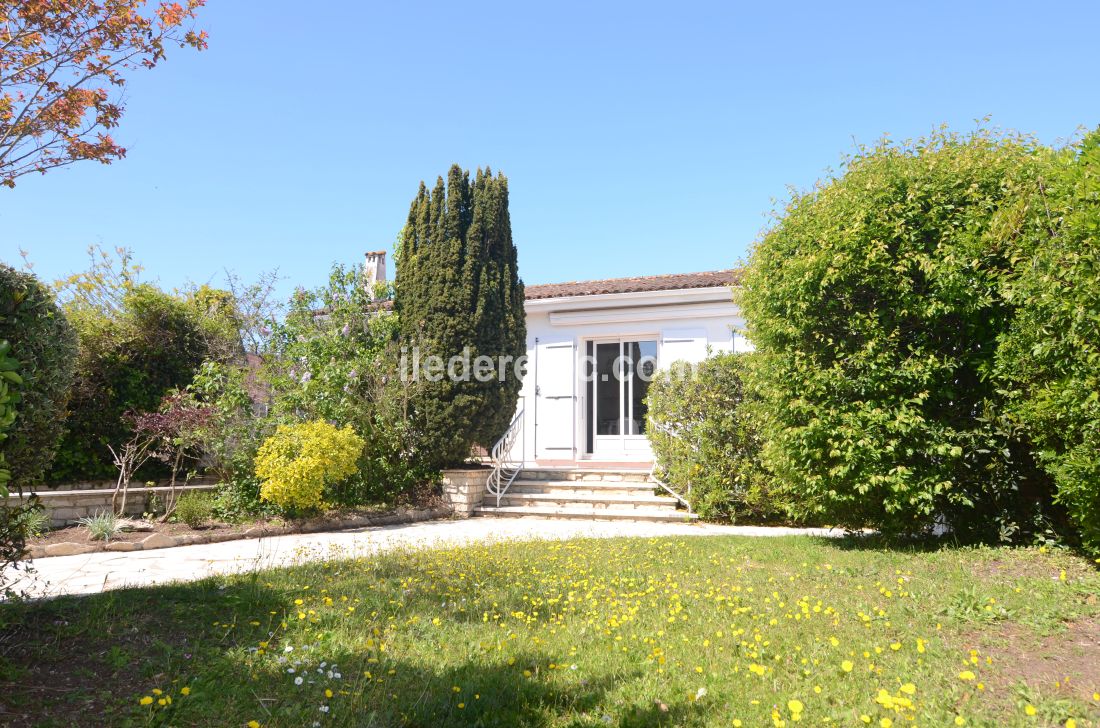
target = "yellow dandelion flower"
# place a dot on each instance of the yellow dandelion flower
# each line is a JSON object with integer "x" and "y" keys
{"x": 1030, "y": 709}
{"x": 795, "y": 706}
{"x": 147, "y": 700}
{"x": 185, "y": 691}
{"x": 959, "y": 720}
{"x": 966, "y": 675}
{"x": 1071, "y": 723}
{"x": 847, "y": 666}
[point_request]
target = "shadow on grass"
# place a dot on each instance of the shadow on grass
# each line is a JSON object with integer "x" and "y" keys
{"x": 87, "y": 661}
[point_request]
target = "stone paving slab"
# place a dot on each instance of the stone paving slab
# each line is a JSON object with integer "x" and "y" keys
{"x": 102, "y": 571}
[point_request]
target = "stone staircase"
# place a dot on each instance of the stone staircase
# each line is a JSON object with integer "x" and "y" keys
{"x": 587, "y": 494}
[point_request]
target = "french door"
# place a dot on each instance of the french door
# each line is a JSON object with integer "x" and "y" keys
{"x": 618, "y": 372}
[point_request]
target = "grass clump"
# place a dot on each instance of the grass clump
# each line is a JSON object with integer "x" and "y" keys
{"x": 35, "y": 522}
{"x": 101, "y": 526}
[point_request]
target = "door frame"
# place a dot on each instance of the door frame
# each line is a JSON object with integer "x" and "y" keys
{"x": 586, "y": 409}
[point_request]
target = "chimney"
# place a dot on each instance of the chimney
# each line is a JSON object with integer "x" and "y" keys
{"x": 375, "y": 270}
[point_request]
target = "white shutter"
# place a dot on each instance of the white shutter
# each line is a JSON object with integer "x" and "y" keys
{"x": 688, "y": 345}
{"x": 555, "y": 421}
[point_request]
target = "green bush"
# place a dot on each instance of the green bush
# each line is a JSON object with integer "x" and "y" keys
{"x": 875, "y": 305}
{"x": 9, "y": 398}
{"x": 236, "y": 429}
{"x": 705, "y": 434}
{"x": 13, "y": 532}
{"x": 233, "y": 436}
{"x": 1051, "y": 354}
{"x": 195, "y": 508}
{"x": 47, "y": 346}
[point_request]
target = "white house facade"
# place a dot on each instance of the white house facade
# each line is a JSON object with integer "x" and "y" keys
{"x": 592, "y": 348}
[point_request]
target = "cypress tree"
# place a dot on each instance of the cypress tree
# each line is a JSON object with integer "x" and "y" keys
{"x": 457, "y": 287}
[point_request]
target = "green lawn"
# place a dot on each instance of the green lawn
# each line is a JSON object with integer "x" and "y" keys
{"x": 645, "y": 632}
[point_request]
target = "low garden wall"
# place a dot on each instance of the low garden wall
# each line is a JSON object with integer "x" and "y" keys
{"x": 464, "y": 489}
{"x": 67, "y": 506}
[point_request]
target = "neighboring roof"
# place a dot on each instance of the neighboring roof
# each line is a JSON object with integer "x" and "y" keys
{"x": 641, "y": 284}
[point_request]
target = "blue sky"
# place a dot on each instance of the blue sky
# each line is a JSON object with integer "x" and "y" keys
{"x": 638, "y": 138}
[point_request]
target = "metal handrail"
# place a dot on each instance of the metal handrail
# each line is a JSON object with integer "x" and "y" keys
{"x": 505, "y": 467}
{"x": 671, "y": 432}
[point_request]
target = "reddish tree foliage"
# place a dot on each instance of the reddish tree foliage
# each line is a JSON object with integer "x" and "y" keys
{"x": 171, "y": 434}
{"x": 62, "y": 68}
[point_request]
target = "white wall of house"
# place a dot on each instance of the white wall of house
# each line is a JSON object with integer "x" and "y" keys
{"x": 555, "y": 397}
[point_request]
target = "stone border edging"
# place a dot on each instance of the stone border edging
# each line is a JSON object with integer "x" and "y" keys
{"x": 164, "y": 541}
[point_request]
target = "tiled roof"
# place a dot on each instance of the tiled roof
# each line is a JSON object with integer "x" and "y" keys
{"x": 641, "y": 284}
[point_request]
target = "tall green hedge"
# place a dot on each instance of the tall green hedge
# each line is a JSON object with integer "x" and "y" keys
{"x": 1050, "y": 356}
{"x": 128, "y": 359}
{"x": 47, "y": 345}
{"x": 876, "y": 307}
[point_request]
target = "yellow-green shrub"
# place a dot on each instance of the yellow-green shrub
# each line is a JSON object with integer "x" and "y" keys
{"x": 298, "y": 461}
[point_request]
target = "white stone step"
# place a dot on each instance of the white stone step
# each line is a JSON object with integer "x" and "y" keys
{"x": 580, "y": 486}
{"x": 600, "y": 514}
{"x": 585, "y": 474}
{"x": 591, "y": 500}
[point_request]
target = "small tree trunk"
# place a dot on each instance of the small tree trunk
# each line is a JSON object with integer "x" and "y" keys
{"x": 170, "y": 499}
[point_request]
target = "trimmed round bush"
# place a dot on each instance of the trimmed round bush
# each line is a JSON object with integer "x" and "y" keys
{"x": 47, "y": 346}
{"x": 874, "y": 302}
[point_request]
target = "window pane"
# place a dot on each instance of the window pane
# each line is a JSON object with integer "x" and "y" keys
{"x": 608, "y": 411}
{"x": 643, "y": 363}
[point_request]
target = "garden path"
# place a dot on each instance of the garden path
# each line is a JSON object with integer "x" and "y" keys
{"x": 102, "y": 571}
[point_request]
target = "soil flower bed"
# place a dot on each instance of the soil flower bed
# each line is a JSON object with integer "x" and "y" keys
{"x": 153, "y": 534}
{"x": 706, "y": 631}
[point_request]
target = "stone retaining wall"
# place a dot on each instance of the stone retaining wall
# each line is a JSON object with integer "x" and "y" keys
{"x": 107, "y": 484}
{"x": 68, "y": 506}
